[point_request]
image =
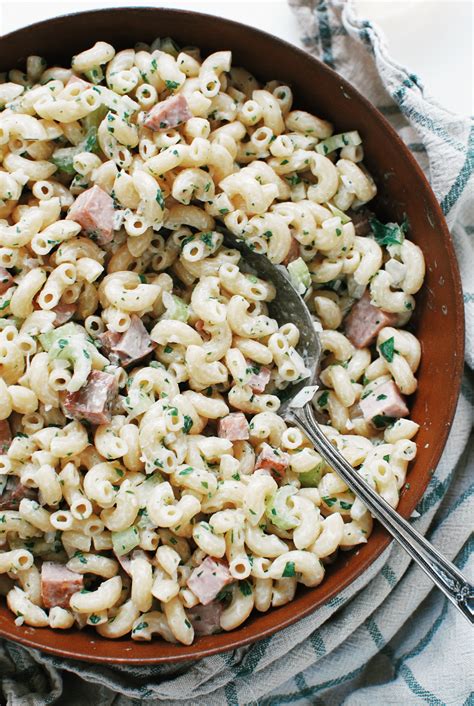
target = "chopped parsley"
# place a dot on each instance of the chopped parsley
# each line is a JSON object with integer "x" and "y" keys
{"x": 387, "y": 349}
{"x": 289, "y": 570}
{"x": 388, "y": 233}
{"x": 172, "y": 85}
{"x": 188, "y": 423}
{"x": 381, "y": 420}
{"x": 323, "y": 399}
{"x": 245, "y": 588}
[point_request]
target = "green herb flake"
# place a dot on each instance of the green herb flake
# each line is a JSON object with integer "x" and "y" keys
{"x": 323, "y": 399}
{"x": 387, "y": 349}
{"x": 188, "y": 423}
{"x": 289, "y": 570}
{"x": 245, "y": 588}
{"x": 388, "y": 233}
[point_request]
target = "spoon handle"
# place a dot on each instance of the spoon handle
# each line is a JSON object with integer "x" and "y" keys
{"x": 441, "y": 571}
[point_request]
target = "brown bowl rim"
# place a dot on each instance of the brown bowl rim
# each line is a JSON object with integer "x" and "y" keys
{"x": 246, "y": 634}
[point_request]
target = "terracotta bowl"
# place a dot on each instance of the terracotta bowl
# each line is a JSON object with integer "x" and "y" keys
{"x": 402, "y": 189}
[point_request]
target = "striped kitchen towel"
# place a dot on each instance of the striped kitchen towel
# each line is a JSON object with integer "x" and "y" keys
{"x": 397, "y": 641}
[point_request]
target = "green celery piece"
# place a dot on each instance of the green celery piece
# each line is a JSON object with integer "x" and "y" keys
{"x": 93, "y": 120}
{"x": 311, "y": 478}
{"x": 336, "y": 142}
{"x": 64, "y": 157}
{"x": 337, "y": 212}
{"x": 71, "y": 329}
{"x": 95, "y": 75}
{"x": 123, "y": 542}
{"x": 277, "y": 509}
{"x": 299, "y": 276}
{"x": 154, "y": 479}
{"x": 176, "y": 309}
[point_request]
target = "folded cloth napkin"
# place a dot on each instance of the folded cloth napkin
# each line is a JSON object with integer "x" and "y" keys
{"x": 398, "y": 641}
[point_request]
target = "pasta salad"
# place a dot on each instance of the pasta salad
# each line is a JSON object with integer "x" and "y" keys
{"x": 147, "y": 484}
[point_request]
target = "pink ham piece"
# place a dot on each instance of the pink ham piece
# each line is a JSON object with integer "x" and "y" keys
{"x": 234, "y": 427}
{"x": 384, "y": 401}
{"x": 365, "y": 321}
{"x": 6, "y": 280}
{"x": 260, "y": 378}
{"x": 108, "y": 341}
{"x": 293, "y": 252}
{"x": 94, "y": 400}
{"x": 64, "y": 313}
{"x": 205, "y": 619}
{"x": 208, "y": 579}
{"x": 94, "y": 211}
{"x": 14, "y": 493}
{"x": 168, "y": 114}
{"x": 5, "y": 436}
{"x": 58, "y": 584}
{"x": 130, "y": 346}
{"x": 272, "y": 460}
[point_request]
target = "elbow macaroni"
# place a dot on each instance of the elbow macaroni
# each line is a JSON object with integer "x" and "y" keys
{"x": 139, "y": 499}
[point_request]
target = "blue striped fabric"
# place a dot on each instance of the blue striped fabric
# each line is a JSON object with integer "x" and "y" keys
{"x": 397, "y": 641}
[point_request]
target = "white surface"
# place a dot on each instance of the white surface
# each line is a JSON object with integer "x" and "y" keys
{"x": 431, "y": 38}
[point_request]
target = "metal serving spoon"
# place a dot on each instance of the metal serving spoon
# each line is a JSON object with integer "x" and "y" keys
{"x": 296, "y": 408}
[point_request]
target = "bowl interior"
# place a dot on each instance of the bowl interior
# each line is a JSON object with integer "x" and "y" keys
{"x": 402, "y": 190}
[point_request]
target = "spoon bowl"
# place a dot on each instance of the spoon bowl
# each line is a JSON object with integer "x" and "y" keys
{"x": 286, "y": 307}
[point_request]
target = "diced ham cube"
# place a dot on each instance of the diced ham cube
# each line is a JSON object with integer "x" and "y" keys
{"x": 14, "y": 492}
{"x": 205, "y": 619}
{"x": 64, "y": 313}
{"x": 94, "y": 211}
{"x": 168, "y": 114}
{"x": 384, "y": 401}
{"x": 130, "y": 346}
{"x": 272, "y": 460}
{"x": 58, "y": 584}
{"x": 5, "y": 436}
{"x": 234, "y": 427}
{"x": 365, "y": 321}
{"x": 94, "y": 401}
{"x": 108, "y": 341}
{"x": 361, "y": 220}
{"x": 208, "y": 579}
{"x": 135, "y": 343}
{"x": 260, "y": 377}
{"x": 6, "y": 280}
{"x": 293, "y": 252}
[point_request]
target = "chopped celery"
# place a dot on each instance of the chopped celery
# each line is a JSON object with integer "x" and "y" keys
{"x": 277, "y": 509}
{"x": 95, "y": 74}
{"x": 335, "y": 142}
{"x": 93, "y": 120}
{"x": 63, "y": 158}
{"x": 169, "y": 46}
{"x": 337, "y": 212}
{"x": 70, "y": 329}
{"x": 311, "y": 478}
{"x": 299, "y": 276}
{"x": 176, "y": 308}
{"x": 123, "y": 542}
